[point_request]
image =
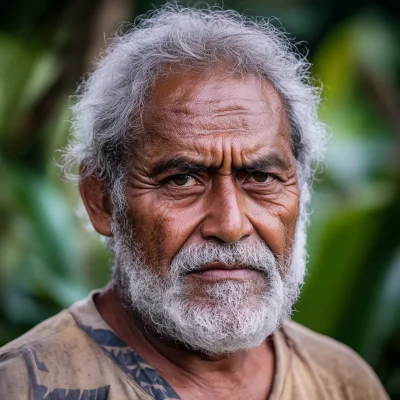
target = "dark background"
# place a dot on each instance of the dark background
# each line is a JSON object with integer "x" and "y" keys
{"x": 48, "y": 258}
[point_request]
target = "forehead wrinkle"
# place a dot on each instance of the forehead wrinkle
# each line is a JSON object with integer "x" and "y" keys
{"x": 188, "y": 112}
{"x": 200, "y": 107}
{"x": 165, "y": 126}
{"x": 193, "y": 109}
{"x": 232, "y": 117}
{"x": 219, "y": 153}
{"x": 210, "y": 142}
{"x": 183, "y": 93}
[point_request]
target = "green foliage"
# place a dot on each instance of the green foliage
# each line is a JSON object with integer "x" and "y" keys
{"x": 354, "y": 243}
{"x": 352, "y": 291}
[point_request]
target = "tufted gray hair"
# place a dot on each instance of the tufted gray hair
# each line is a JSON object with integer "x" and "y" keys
{"x": 105, "y": 117}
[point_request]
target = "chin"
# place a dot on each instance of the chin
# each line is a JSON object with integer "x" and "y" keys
{"x": 229, "y": 317}
{"x": 211, "y": 317}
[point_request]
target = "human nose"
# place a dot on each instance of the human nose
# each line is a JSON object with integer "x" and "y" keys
{"x": 226, "y": 218}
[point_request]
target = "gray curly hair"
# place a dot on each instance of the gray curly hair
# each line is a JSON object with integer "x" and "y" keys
{"x": 111, "y": 99}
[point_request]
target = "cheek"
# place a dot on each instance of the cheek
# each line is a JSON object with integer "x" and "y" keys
{"x": 276, "y": 224}
{"x": 147, "y": 230}
{"x": 162, "y": 229}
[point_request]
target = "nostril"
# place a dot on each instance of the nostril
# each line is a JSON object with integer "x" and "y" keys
{"x": 214, "y": 240}
{"x": 220, "y": 240}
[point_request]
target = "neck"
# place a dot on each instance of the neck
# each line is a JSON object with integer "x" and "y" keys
{"x": 185, "y": 369}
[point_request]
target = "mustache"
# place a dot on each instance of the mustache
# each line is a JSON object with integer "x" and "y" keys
{"x": 256, "y": 256}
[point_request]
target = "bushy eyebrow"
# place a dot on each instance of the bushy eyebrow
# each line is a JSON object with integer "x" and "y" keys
{"x": 177, "y": 163}
{"x": 266, "y": 162}
{"x": 183, "y": 164}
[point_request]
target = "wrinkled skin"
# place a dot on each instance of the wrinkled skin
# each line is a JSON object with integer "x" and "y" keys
{"x": 214, "y": 164}
{"x": 223, "y": 125}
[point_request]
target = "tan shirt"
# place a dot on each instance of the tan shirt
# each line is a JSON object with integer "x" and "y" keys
{"x": 76, "y": 356}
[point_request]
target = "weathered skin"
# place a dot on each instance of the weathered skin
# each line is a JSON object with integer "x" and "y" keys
{"x": 235, "y": 131}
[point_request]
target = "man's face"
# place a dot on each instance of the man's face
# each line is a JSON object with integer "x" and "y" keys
{"x": 215, "y": 164}
{"x": 213, "y": 170}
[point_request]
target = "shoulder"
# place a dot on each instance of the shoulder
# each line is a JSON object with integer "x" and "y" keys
{"x": 14, "y": 382}
{"x": 48, "y": 358}
{"x": 47, "y": 331}
{"x": 19, "y": 359}
{"x": 62, "y": 330}
{"x": 334, "y": 362}
{"x": 321, "y": 348}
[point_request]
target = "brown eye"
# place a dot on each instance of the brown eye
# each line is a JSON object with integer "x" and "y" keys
{"x": 260, "y": 177}
{"x": 183, "y": 180}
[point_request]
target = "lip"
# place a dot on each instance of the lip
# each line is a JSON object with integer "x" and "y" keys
{"x": 219, "y": 271}
{"x": 221, "y": 265}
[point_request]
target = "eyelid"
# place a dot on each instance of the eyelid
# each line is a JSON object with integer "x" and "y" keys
{"x": 169, "y": 178}
{"x": 174, "y": 172}
{"x": 269, "y": 174}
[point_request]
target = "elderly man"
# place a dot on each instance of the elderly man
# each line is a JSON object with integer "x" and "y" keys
{"x": 197, "y": 137}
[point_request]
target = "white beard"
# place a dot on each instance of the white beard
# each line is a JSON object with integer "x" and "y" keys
{"x": 229, "y": 316}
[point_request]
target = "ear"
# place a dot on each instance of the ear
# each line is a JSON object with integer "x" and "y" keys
{"x": 97, "y": 202}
